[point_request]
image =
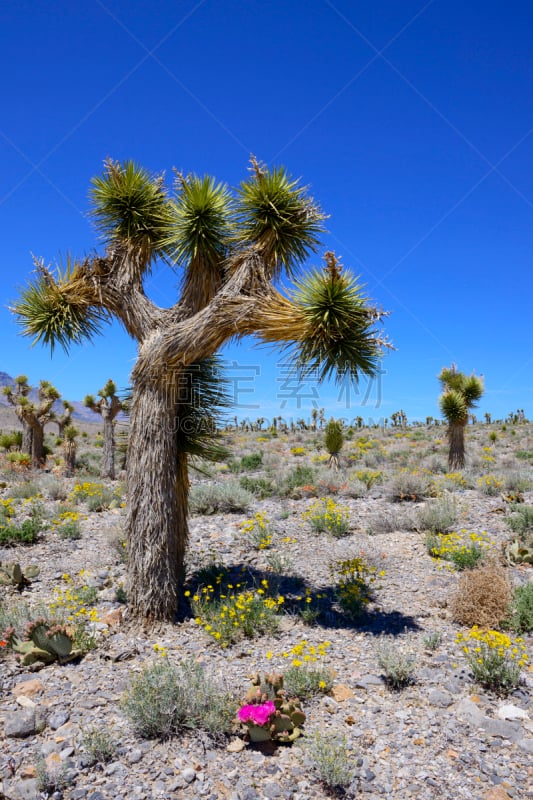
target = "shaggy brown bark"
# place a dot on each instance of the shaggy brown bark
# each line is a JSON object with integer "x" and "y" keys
{"x": 156, "y": 519}
{"x": 456, "y": 439}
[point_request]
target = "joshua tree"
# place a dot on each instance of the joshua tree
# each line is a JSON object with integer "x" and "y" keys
{"x": 69, "y": 449}
{"x": 33, "y": 416}
{"x": 65, "y": 419}
{"x": 108, "y": 406}
{"x": 460, "y": 394}
{"x": 333, "y": 441}
{"x": 232, "y": 247}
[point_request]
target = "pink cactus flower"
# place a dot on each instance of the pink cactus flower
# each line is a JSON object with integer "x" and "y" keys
{"x": 258, "y": 714}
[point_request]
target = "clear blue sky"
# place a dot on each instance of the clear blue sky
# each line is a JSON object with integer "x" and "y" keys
{"x": 412, "y": 122}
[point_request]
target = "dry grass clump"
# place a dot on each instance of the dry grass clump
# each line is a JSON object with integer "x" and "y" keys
{"x": 482, "y": 597}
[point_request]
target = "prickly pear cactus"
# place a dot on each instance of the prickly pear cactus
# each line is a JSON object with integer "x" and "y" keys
{"x": 12, "y": 575}
{"x": 285, "y": 722}
{"x": 517, "y": 552}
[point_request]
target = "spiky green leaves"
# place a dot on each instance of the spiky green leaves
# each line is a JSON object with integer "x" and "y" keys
{"x": 200, "y": 223}
{"x": 130, "y": 207}
{"x": 461, "y": 392}
{"x": 453, "y": 407}
{"x": 49, "y": 313}
{"x": 276, "y": 213}
{"x": 340, "y": 337}
{"x": 203, "y": 394}
{"x": 333, "y": 437}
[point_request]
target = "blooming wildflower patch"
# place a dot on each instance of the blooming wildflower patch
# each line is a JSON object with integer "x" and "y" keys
{"x": 258, "y": 531}
{"x": 354, "y": 580}
{"x": 236, "y": 611}
{"x": 325, "y": 515}
{"x": 494, "y": 658}
{"x": 463, "y": 549}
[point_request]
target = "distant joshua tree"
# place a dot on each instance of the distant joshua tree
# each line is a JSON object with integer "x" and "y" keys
{"x": 65, "y": 419}
{"x": 108, "y": 406}
{"x": 461, "y": 392}
{"x": 333, "y": 442}
{"x": 33, "y": 416}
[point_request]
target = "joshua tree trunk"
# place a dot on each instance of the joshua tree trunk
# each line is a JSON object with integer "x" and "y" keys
{"x": 109, "y": 443}
{"x": 69, "y": 453}
{"x": 37, "y": 454}
{"x": 456, "y": 439}
{"x": 157, "y": 505}
{"x": 27, "y": 437}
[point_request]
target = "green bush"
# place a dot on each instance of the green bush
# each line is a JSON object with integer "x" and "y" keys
{"x": 307, "y": 680}
{"x": 521, "y": 520}
{"x": 25, "y": 490}
{"x": 331, "y": 760}
{"x": 25, "y": 533}
{"x": 437, "y": 515}
{"x": 397, "y": 665}
{"x": 165, "y": 700}
{"x": 260, "y": 487}
{"x": 520, "y": 615}
{"x": 211, "y": 498}
{"x": 252, "y": 461}
{"x": 299, "y": 476}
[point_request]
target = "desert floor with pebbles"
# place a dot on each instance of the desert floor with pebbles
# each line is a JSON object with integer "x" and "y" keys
{"x": 442, "y": 736}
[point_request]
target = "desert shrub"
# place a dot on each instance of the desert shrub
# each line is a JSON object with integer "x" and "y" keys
{"x": 260, "y": 487}
{"x": 332, "y": 760}
{"x": 437, "y": 515}
{"x": 24, "y": 490}
{"x": 300, "y": 475}
{"x": 307, "y": 680}
{"x": 251, "y": 461}
{"x": 388, "y": 521}
{"x": 51, "y": 780}
{"x": 519, "y": 617}
{"x": 53, "y": 488}
{"x": 397, "y": 663}
{"x": 516, "y": 482}
{"x": 521, "y": 520}
{"x": 482, "y": 596}
{"x": 409, "y": 486}
{"x": 90, "y": 463}
{"x": 212, "y": 498}
{"x": 98, "y": 744}
{"x": 164, "y": 700}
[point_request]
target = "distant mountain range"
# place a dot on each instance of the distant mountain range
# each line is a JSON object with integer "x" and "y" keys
{"x": 81, "y": 413}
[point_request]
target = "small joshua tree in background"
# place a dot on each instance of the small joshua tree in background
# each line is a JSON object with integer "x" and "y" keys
{"x": 63, "y": 422}
{"x": 108, "y": 406}
{"x": 69, "y": 448}
{"x": 460, "y": 394}
{"x": 33, "y": 416}
{"x": 333, "y": 441}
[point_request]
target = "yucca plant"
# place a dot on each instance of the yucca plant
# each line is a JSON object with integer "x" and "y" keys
{"x": 33, "y": 416}
{"x": 69, "y": 448}
{"x": 460, "y": 394}
{"x": 230, "y": 246}
{"x": 108, "y": 405}
{"x": 333, "y": 442}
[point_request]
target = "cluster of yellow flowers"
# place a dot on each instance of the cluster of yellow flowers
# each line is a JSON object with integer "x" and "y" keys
{"x": 487, "y": 456}
{"x": 477, "y": 641}
{"x": 303, "y": 653}
{"x": 298, "y": 451}
{"x": 82, "y": 491}
{"x": 66, "y": 516}
{"x": 460, "y": 547}
{"x": 7, "y": 507}
{"x": 235, "y": 612}
{"x": 160, "y": 650}
{"x": 326, "y": 515}
{"x": 72, "y": 599}
{"x": 258, "y": 530}
{"x": 489, "y": 484}
{"x": 495, "y": 660}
